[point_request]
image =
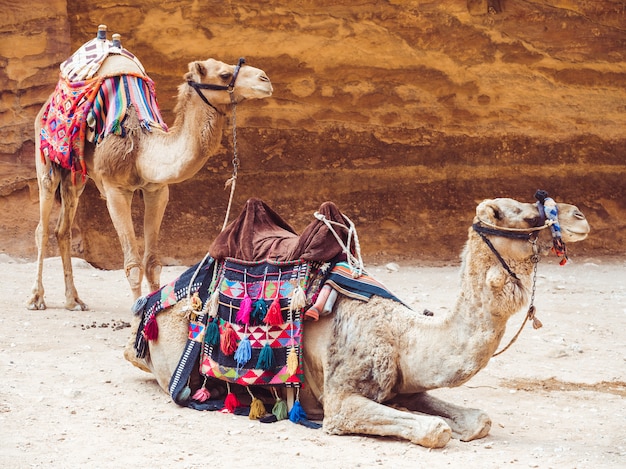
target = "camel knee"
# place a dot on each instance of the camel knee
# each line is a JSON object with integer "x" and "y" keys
{"x": 134, "y": 275}
{"x": 153, "y": 274}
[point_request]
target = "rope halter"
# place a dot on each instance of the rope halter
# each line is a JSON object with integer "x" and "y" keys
{"x": 355, "y": 261}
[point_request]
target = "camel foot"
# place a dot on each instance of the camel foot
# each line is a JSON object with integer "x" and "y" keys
{"x": 75, "y": 304}
{"x": 36, "y": 303}
{"x": 480, "y": 429}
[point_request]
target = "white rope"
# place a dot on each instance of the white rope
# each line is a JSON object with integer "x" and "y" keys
{"x": 355, "y": 262}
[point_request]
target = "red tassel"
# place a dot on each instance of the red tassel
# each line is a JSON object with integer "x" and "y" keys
{"x": 231, "y": 403}
{"x": 274, "y": 317}
{"x": 228, "y": 342}
{"x": 151, "y": 329}
{"x": 243, "y": 315}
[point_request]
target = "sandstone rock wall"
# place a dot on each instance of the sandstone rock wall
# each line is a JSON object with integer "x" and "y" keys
{"x": 405, "y": 114}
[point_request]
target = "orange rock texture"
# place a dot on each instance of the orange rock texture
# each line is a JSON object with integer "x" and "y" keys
{"x": 405, "y": 114}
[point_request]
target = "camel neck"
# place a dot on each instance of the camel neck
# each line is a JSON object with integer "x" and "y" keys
{"x": 180, "y": 153}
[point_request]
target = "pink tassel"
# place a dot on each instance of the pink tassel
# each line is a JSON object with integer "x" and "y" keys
{"x": 201, "y": 394}
{"x": 243, "y": 315}
{"x": 151, "y": 329}
{"x": 274, "y": 317}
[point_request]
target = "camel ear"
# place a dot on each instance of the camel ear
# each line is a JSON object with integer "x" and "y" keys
{"x": 197, "y": 70}
{"x": 488, "y": 210}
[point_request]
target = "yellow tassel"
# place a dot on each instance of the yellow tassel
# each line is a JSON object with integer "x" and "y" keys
{"x": 298, "y": 299}
{"x": 257, "y": 409}
{"x": 196, "y": 302}
{"x": 292, "y": 361}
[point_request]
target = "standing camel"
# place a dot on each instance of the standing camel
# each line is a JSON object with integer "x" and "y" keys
{"x": 142, "y": 160}
{"x": 369, "y": 365}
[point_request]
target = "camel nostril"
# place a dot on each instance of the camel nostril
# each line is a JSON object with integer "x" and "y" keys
{"x": 263, "y": 78}
{"x": 579, "y": 215}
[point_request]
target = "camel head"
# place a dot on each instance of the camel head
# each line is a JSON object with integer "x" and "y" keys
{"x": 218, "y": 83}
{"x": 516, "y": 223}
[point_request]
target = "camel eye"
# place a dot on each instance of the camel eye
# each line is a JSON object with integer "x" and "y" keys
{"x": 535, "y": 221}
{"x": 225, "y": 76}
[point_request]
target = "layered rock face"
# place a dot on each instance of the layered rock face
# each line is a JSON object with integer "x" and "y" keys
{"x": 405, "y": 114}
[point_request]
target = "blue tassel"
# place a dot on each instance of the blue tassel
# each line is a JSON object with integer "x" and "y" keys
{"x": 244, "y": 351}
{"x": 297, "y": 413}
{"x": 212, "y": 334}
{"x": 258, "y": 312}
{"x": 139, "y": 305}
{"x": 266, "y": 358}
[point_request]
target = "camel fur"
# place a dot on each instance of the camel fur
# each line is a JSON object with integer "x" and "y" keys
{"x": 146, "y": 161}
{"x": 369, "y": 365}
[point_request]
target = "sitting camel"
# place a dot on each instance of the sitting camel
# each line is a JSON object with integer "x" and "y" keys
{"x": 140, "y": 159}
{"x": 369, "y": 365}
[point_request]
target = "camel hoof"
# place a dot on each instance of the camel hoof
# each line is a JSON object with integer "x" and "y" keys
{"x": 482, "y": 429}
{"x": 76, "y": 305}
{"x": 36, "y": 303}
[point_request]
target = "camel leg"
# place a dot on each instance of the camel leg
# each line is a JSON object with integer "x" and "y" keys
{"x": 467, "y": 424}
{"x": 119, "y": 203}
{"x": 155, "y": 203}
{"x": 48, "y": 179}
{"x": 70, "y": 194}
{"x": 356, "y": 414}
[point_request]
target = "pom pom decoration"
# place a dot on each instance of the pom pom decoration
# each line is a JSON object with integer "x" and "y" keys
{"x": 280, "y": 409}
{"x": 292, "y": 361}
{"x": 214, "y": 303}
{"x": 231, "y": 403}
{"x": 151, "y": 329}
{"x": 184, "y": 394}
{"x": 266, "y": 358}
{"x": 228, "y": 339}
{"x": 212, "y": 334}
{"x": 257, "y": 409}
{"x": 274, "y": 316}
{"x": 298, "y": 299}
{"x": 259, "y": 311}
{"x": 297, "y": 413}
{"x": 243, "y": 315}
{"x": 244, "y": 352}
{"x": 245, "y": 307}
{"x": 201, "y": 394}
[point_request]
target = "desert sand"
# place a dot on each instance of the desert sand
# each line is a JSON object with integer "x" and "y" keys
{"x": 69, "y": 399}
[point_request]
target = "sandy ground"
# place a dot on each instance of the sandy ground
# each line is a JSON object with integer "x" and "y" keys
{"x": 69, "y": 399}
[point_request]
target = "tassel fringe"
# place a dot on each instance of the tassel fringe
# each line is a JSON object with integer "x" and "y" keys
{"x": 151, "y": 329}
{"x": 257, "y": 409}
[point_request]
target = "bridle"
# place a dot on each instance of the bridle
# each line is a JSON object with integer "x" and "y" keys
{"x": 484, "y": 229}
{"x": 207, "y": 86}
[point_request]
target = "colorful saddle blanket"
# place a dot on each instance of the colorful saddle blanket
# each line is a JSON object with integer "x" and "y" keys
{"x": 260, "y": 326}
{"x": 81, "y": 100}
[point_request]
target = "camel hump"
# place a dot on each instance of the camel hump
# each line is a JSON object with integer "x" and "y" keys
{"x": 100, "y": 57}
{"x": 115, "y": 65}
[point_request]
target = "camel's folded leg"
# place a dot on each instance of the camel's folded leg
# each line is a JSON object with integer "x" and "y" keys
{"x": 467, "y": 424}
{"x": 356, "y": 414}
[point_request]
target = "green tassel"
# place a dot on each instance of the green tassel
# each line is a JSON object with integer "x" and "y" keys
{"x": 280, "y": 409}
{"x": 212, "y": 334}
{"x": 266, "y": 358}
